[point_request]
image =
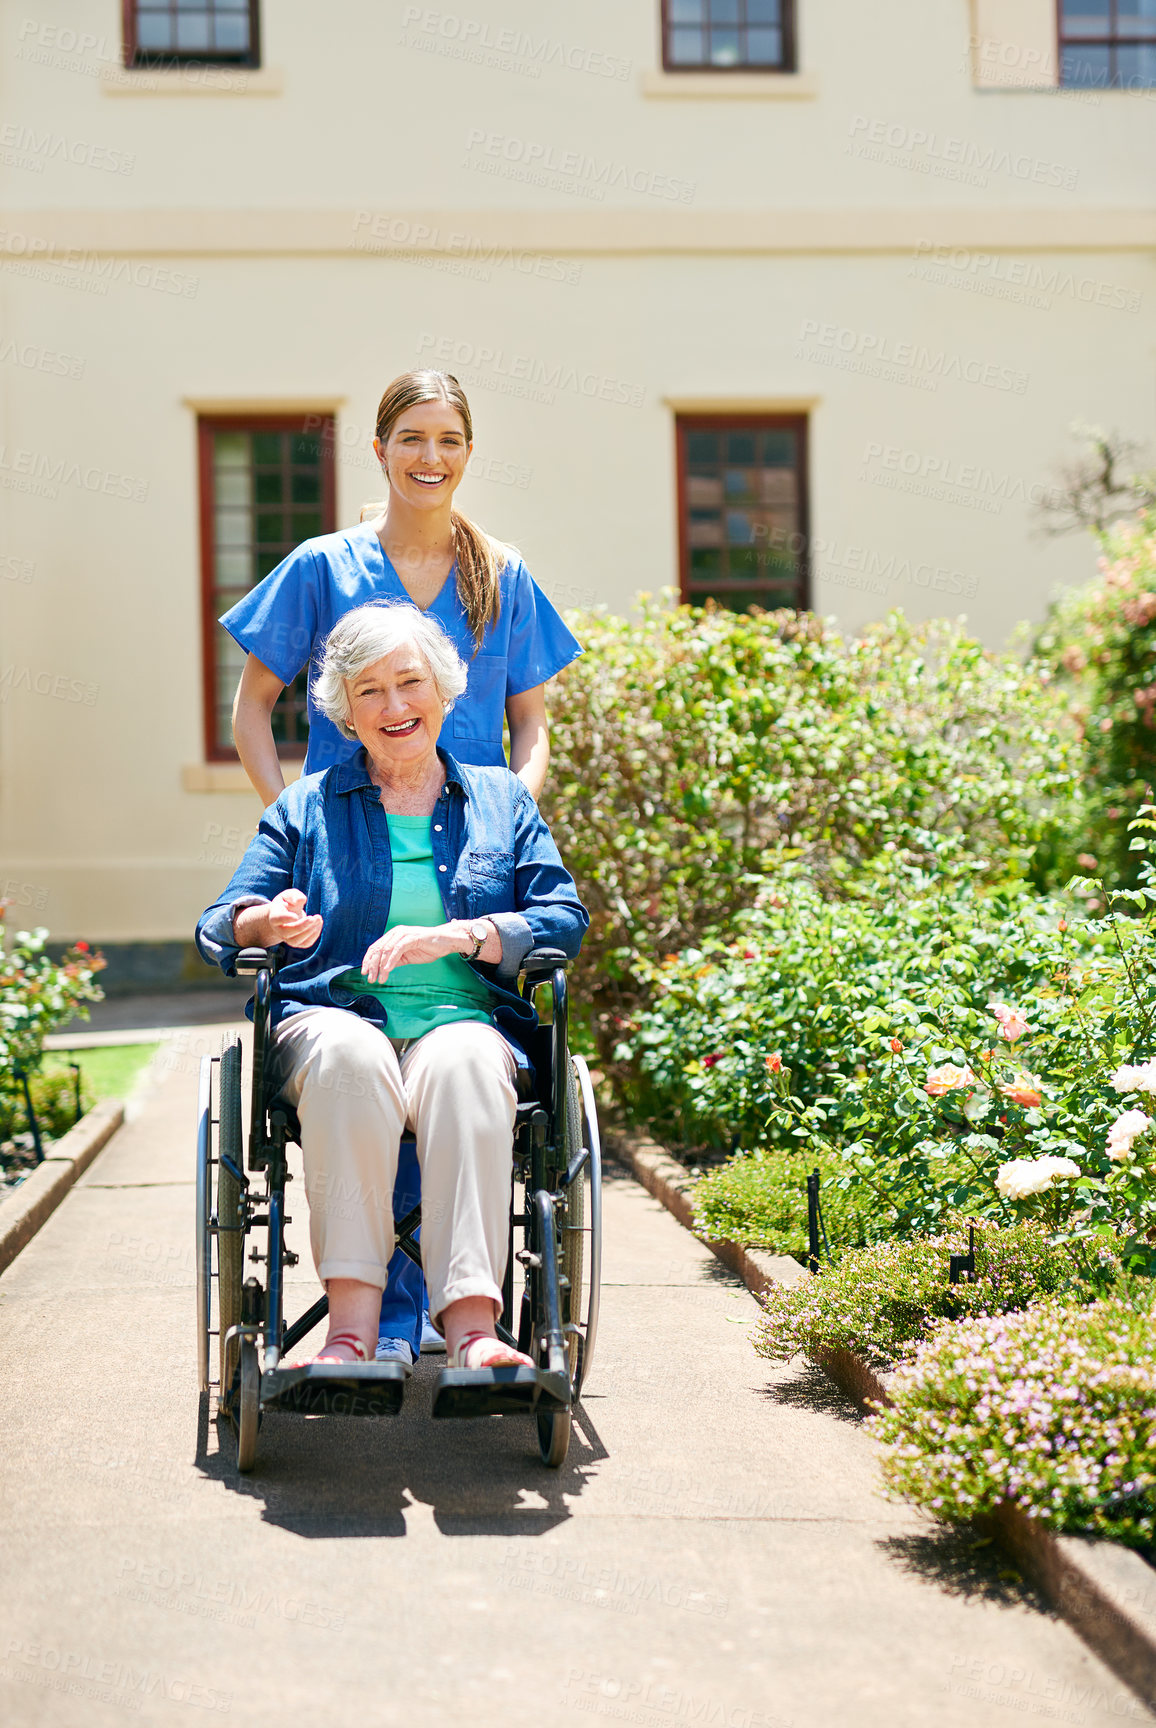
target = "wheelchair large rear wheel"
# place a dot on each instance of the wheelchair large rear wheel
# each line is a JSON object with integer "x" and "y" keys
{"x": 230, "y": 1234}
{"x": 203, "y": 1221}
{"x": 582, "y": 1226}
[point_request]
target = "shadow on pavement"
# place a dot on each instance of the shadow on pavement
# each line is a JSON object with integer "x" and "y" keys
{"x": 810, "y": 1389}
{"x": 962, "y": 1564}
{"x": 340, "y": 1476}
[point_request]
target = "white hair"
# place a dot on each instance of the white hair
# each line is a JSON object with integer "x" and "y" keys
{"x": 368, "y": 634}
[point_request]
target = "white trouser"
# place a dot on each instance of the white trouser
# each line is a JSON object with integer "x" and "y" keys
{"x": 354, "y": 1096}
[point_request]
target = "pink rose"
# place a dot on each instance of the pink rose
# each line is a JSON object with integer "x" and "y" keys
{"x": 1012, "y": 1024}
{"x": 948, "y": 1078}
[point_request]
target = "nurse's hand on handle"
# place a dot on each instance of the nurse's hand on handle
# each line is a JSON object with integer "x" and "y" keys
{"x": 283, "y": 919}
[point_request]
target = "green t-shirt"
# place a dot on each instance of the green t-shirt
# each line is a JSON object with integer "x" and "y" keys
{"x": 436, "y": 992}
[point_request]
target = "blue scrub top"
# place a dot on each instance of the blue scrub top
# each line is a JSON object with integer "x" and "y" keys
{"x": 286, "y": 618}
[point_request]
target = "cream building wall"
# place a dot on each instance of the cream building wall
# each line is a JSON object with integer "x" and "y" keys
{"x": 916, "y": 239}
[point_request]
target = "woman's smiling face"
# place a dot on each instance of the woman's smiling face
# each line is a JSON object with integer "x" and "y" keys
{"x": 425, "y": 455}
{"x": 395, "y": 709}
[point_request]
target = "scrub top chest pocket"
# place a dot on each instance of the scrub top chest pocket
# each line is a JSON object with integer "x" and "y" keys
{"x": 480, "y": 712}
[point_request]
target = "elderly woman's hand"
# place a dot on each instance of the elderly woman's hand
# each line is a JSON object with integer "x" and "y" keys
{"x": 415, "y": 944}
{"x": 282, "y": 919}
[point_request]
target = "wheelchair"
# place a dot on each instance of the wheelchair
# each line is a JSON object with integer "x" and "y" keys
{"x": 555, "y": 1212}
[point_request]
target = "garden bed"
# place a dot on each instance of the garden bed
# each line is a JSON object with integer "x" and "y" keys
{"x": 106, "y": 1072}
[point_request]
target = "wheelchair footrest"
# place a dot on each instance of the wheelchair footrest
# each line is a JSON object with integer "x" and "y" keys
{"x": 499, "y": 1392}
{"x": 336, "y": 1389}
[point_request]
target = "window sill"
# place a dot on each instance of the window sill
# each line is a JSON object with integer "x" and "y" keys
{"x": 227, "y": 777}
{"x": 194, "y": 81}
{"x": 721, "y": 86}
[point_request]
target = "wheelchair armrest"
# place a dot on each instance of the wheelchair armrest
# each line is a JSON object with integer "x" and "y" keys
{"x": 253, "y": 960}
{"x": 540, "y": 963}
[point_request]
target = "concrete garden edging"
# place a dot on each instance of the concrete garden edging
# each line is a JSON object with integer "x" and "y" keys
{"x": 1105, "y": 1592}
{"x": 31, "y": 1204}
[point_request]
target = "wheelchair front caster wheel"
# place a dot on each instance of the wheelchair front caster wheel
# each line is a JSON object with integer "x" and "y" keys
{"x": 554, "y": 1437}
{"x": 248, "y": 1406}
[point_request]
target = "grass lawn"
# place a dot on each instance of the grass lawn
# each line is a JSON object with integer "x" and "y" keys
{"x": 107, "y": 1071}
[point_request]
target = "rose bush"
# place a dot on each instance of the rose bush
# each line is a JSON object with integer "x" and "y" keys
{"x": 38, "y": 994}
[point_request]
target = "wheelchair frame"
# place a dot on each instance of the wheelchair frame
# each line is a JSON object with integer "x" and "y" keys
{"x": 558, "y": 1161}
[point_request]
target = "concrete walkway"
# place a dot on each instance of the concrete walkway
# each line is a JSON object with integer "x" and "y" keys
{"x": 713, "y": 1553}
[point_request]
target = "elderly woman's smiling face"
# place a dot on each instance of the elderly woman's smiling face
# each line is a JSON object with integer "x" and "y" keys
{"x": 396, "y": 711}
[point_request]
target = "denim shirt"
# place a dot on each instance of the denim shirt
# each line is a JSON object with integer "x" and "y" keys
{"x": 327, "y": 835}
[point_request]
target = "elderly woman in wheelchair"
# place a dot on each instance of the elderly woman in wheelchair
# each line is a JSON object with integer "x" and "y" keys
{"x": 404, "y": 894}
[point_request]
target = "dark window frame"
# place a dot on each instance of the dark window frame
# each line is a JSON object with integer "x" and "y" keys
{"x": 207, "y": 426}
{"x": 1112, "y": 38}
{"x": 788, "y": 62}
{"x": 139, "y": 59}
{"x": 746, "y": 421}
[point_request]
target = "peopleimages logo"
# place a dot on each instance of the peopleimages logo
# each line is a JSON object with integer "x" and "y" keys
{"x": 535, "y": 163}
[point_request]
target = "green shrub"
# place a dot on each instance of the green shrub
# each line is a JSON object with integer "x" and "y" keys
{"x": 760, "y": 1199}
{"x": 38, "y": 994}
{"x": 881, "y": 1301}
{"x": 693, "y": 751}
{"x": 1051, "y": 1409}
{"x": 890, "y": 1030}
{"x": 54, "y": 1100}
{"x": 1100, "y": 641}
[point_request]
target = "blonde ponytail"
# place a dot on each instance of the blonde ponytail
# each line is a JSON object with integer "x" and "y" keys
{"x": 480, "y": 562}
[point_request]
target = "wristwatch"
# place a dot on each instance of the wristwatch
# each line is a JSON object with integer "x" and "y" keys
{"x": 479, "y": 929}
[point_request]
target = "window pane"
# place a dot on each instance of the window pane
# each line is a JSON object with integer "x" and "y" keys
{"x": 724, "y": 47}
{"x": 724, "y": 11}
{"x": 192, "y": 32}
{"x": 779, "y": 449}
{"x": 703, "y": 490}
{"x": 764, "y": 12}
{"x": 741, "y": 447}
{"x": 1085, "y": 66}
{"x": 306, "y": 488}
{"x": 704, "y": 563}
{"x": 740, "y": 484}
{"x": 269, "y": 488}
{"x": 233, "y": 487}
{"x": 1087, "y": 17}
{"x": 231, "y": 34}
{"x": 687, "y": 12}
{"x": 267, "y": 446}
{"x": 1136, "y": 17}
{"x": 233, "y": 527}
{"x": 764, "y": 47}
{"x": 304, "y": 449}
{"x": 154, "y": 31}
{"x": 230, "y": 449}
{"x": 1136, "y": 66}
{"x": 306, "y": 526}
{"x": 702, "y": 447}
{"x": 686, "y": 47}
{"x": 270, "y": 530}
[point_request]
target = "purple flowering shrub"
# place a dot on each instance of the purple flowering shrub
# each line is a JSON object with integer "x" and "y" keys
{"x": 1052, "y": 1409}
{"x": 880, "y": 1302}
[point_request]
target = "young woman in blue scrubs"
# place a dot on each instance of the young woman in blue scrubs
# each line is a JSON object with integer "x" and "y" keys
{"x": 415, "y": 547}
